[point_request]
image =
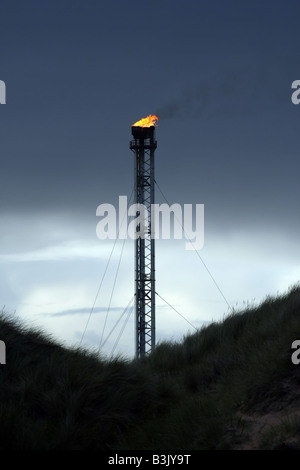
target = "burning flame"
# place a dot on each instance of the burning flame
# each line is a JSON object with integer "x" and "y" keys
{"x": 146, "y": 122}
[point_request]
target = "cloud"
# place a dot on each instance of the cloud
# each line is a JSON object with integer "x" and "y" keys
{"x": 83, "y": 311}
{"x": 65, "y": 250}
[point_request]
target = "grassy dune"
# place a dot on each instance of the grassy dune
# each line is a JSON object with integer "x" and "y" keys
{"x": 231, "y": 385}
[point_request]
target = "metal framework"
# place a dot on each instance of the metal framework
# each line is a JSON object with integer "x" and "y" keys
{"x": 143, "y": 145}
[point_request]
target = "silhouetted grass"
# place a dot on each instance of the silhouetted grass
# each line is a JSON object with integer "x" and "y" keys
{"x": 187, "y": 395}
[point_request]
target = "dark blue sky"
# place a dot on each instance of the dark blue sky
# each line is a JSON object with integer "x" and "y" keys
{"x": 78, "y": 74}
{"x": 217, "y": 73}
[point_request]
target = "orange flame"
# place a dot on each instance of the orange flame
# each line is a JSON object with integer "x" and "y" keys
{"x": 146, "y": 122}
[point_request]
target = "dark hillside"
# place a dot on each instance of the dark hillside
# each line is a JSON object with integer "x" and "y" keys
{"x": 231, "y": 385}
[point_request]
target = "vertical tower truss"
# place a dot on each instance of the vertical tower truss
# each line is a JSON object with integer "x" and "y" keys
{"x": 143, "y": 145}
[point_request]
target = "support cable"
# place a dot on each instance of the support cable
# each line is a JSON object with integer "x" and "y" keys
{"x": 175, "y": 310}
{"x": 215, "y": 282}
{"x": 103, "y": 276}
{"x": 118, "y": 321}
{"x": 122, "y": 330}
{"x": 112, "y": 293}
{"x": 98, "y": 291}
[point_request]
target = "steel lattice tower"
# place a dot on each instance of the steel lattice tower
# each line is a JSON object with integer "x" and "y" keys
{"x": 143, "y": 145}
